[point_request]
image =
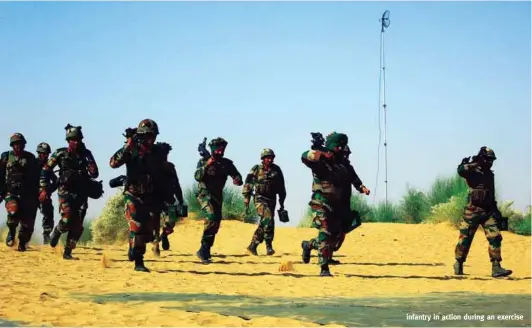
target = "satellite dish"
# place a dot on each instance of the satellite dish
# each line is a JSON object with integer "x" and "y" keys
{"x": 385, "y": 19}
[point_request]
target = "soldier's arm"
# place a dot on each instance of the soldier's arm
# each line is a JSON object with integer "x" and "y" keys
{"x": 465, "y": 168}
{"x": 282, "y": 188}
{"x": 178, "y": 192}
{"x": 200, "y": 169}
{"x": 312, "y": 157}
{"x": 355, "y": 179}
{"x": 247, "y": 189}
{"x": 121, "y": 157}
{"x": 3, "y": 162}
{"x": 91, "y": 165}
{"x": 48, "y": 169}
{"x": 233, "y": 173}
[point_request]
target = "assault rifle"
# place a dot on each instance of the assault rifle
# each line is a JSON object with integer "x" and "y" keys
{"x": 131, "y": 133}
{"x": 119, "y": 181}
{"x": 202, "y": 149}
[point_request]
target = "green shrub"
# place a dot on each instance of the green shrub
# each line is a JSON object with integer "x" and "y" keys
{"x": 443, "y": 189}
{"x": 450, "y": 211}
{"x": 383, "y": 212}
{"x": 414, "y": 207}
{"x": 111, "y": 226}
{"x": 306, "y": 220}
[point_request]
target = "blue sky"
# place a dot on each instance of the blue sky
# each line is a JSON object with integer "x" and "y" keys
{"x": 266, "y": 74}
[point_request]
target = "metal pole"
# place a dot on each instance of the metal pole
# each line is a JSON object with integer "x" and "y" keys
{"x": 385, "y": 22}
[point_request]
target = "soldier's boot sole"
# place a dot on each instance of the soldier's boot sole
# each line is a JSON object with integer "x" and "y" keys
{"x": 165, "y": 243}
{"x": 142, "y": 269}
{"x": 305, "y": 256}
{"x": 458, "y": 268}
{"x": 202, "y": 257}
{"x": 270, "y": 251}
{"x": 325, "y": 271}
{"x": 67, "y": 255}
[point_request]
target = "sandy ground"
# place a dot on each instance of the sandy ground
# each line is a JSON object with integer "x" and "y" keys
{"x": 39, "y": 287}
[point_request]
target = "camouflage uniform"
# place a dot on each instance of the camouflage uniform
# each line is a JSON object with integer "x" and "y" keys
{"x": 351, "y": 218}
{"x": 76, "y": 167}
{"x": 328, "y": 190}
{"x": 19, "y": 186}
{"x": 211, "y": 175}
{"x": 481, "y": 209}
{"x": 170, "y": 192}
{"x": 143, "y": 165}
{"x": 268, "y": 182}
{"x": 47, "y": 207}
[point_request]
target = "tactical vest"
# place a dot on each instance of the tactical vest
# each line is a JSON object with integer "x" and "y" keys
{"x": 481, "y": 188}
{"x": 17, "y": 173}
{"x": 142, "y": 172}
{"x": 266, "y": 181}
{"x": 329, "y": 180}
{"x": 72, "y": 170}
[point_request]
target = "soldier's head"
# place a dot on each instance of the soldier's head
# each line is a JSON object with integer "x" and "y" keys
{"x": 147, "y": 132}
{"x": 347, "y": 152}
{"x": 267, "y": 156}
{"x": 43, "y": 150}
{"x": 336, "y": 143}
{"x": 217, "y": 147}
{"x": 165, "y": 149}
{"x": 486, "y": 156}
{"x": 74, "y": 136}
{"x": 17, "y": 142}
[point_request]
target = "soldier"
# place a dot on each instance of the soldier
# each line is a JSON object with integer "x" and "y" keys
{"x": 326, "y": 202}
{"x": 211, "y": 174}
{"x": 351, "y": 218}
{"x": 268, "y": 181}
{"x": 47, "y": 207}
{"x": 19, "y": 186}
{"x": 76, "y": 167}
{"x": 481, "y": 210}
{"x": 171, "y": 191}
{"x": 143, "y": 166}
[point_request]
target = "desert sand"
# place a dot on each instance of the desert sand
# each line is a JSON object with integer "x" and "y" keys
{"x": 385, "y": 260}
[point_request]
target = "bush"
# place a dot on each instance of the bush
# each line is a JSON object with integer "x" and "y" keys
{"x": 383, "y": 212}
{"x": 233, "y": 207}
{"x": 306, "y": 220}
{"x": 443, "y": 189}
{"x": 518, "y": 222}
{"x": 111, "y": 226}
{"x": 414, "y": 207}
{"x": 451, "y": 211}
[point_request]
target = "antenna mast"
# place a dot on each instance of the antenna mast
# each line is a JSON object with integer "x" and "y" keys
{"x": 385, "y": 22}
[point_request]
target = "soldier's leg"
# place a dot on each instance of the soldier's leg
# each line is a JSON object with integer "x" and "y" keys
{"x": 67, "y": 210}
{"x": 269, "y": 228}
{"x": 27, "y": 222}
{"x": 13, "y": 218}
{"x": 324, "y": 222}
{"x": 210, "y": 227}
{"x": 494, "y": 237}
{"x": 47, "y": 212}
{"x": 168, "y": 224}
{"x": 258, "y": 235}
{"x": 468, "y": 227}
{"x": 155, "y": 217}
{"x": 74, "y": 229}
{"x": 138, "y": 218}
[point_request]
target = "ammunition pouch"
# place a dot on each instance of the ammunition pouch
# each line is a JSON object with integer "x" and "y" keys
{"x": 94, "y": 189}
{"x": 283, "y": 216}
{"x": 14, "y": 186}
{"x": 502, "y": 224}
{"x": 479, "y": 198}
{"x": 352, "y": 223}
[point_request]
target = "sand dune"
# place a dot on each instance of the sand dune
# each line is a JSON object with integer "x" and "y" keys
{"x": 385, "y": 260}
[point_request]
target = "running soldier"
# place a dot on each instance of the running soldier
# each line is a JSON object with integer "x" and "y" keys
{"x": 47, "y": 207}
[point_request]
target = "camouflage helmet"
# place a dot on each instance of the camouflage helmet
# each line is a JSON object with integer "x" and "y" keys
{"x": 335, "y": 139}
{"x": 164, "y": 147}
{"x": 73, "y": 132}
{"x": 17, "y": 137}
{"x": 487, "y": 153}
{"x": 266, "y": 152}
{"x": 43, "y": 147}
{"x": 148, "y": 126}
{"x": 217, "y": 143}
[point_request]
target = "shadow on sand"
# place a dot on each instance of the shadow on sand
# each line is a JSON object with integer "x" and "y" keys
{"x": 347, "y": 311}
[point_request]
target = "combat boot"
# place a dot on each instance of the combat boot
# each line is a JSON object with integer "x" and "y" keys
{"x": 305, "y": 245}
{"x": 269, "y": 248}
{"x": 21, "y": 245}
{"x": 67, "y": 254}
{"x": 458, "y": 268}
{"x": 54, "y": 237}
{"x": 203, "y": 254}
{"x": 334, "y": 262}
{"x": 497, "y": 271}
{"x": 139, "y": 263}
{"x": 252, "y": 249}
{"x": 46, "y": 238}
{"x": 10, "y": 239}
{"x": 325, "y": 271}
{"x": 165, "y": 243}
